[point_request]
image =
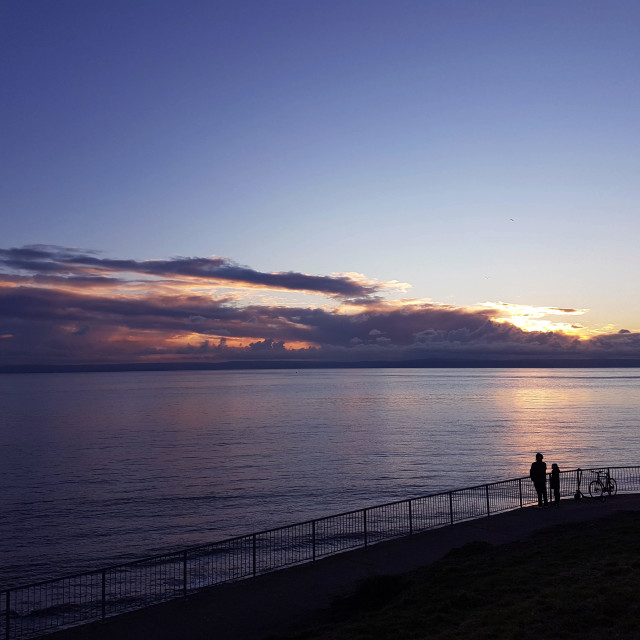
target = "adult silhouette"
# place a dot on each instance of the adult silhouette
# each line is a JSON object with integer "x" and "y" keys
{"x": 538, "y": 473}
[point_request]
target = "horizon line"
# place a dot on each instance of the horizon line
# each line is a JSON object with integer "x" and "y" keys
{"x": 430, "y": 363}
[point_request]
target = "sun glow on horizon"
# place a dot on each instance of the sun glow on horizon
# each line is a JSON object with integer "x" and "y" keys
{"x": 529, "y": 324}
{"x": 530, "y": 318}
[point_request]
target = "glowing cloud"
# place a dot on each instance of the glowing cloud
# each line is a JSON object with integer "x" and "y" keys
{"x": 529, "y": 318}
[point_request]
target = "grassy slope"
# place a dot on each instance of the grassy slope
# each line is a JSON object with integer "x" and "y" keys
{"x": 574, "y": 581}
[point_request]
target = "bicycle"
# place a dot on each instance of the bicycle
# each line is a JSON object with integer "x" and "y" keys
{"x": 602, "y": 484}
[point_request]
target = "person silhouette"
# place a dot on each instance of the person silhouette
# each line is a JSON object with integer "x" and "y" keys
{"x": 538, "y": 473}
{"x": 555, "y": 483}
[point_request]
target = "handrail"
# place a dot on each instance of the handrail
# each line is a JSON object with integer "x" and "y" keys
{"x": 28, "y": 611}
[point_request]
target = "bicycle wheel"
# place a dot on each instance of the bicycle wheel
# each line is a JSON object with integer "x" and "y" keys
{"x": 596, "y": 489}
{"x": 613, "y": 487}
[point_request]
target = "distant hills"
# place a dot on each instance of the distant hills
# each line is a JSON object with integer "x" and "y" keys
{"x": 297, "y": 365}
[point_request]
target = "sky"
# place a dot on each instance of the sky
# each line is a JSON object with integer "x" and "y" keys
{"x": 324, "y": 181}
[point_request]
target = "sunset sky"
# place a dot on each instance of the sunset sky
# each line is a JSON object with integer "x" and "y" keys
{"x": 327, "y": 181}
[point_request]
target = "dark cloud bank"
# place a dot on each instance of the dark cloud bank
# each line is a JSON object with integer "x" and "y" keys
{"x": 62, "y": 309}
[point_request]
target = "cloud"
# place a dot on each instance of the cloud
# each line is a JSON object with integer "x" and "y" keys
{"x": 86, "y": 268}
{"x": 61, "y": 306}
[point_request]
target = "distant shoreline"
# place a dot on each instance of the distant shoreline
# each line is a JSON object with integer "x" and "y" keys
{"x": 525, "y": 363}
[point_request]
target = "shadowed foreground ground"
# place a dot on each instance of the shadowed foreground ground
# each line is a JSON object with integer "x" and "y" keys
{"x": 570, "y": 581}
{"x": 572, "y": 571}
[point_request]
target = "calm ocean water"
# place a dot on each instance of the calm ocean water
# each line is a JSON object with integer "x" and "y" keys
{"x": 101, "y": 468}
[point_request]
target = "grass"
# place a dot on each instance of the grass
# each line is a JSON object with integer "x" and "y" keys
{"x": 572, "y": 581}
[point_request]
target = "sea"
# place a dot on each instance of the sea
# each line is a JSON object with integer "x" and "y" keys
{"x": 102, "y": 468}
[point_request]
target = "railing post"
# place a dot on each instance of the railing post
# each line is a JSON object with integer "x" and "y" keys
{"x": 184, "y": 573}
{"x": 451, "y": 506}
{"x": 254, "y": 554}
{"x": 104, "y": 593}
{"x": 364, "y": 522}
{"x": 486, "y": 489}
{"x": 313, "y": 538}
{"x": 8, "y": 620}
{"x": 578, "y": 492}
{"x": 410, "y": 520}
{"x": 520, "y": 488}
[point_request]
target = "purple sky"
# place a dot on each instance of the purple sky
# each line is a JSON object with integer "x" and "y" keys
{"x": 403, "y": 179}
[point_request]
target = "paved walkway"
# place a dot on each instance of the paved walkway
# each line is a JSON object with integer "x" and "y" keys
{"x": 292, "y": 599}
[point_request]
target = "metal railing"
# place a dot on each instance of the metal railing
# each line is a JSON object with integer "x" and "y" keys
{"x": 37, "y": 609}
